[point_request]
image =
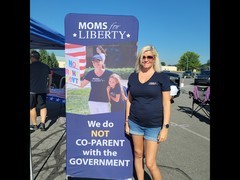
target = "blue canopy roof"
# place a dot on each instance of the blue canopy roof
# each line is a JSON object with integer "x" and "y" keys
{"x": 42, "y": 37}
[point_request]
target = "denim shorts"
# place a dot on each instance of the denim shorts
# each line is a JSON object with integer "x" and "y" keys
{"x": 148, "y": 133}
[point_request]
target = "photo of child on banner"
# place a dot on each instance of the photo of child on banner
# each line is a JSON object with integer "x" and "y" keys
{"x": 116, "y": 93}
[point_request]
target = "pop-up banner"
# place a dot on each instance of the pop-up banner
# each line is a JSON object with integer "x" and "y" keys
{"x": 100, "y": 52}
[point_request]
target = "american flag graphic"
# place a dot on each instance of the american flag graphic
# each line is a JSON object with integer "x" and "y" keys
{"x": 79, "y": 52}
{"x": 57, "y": 95}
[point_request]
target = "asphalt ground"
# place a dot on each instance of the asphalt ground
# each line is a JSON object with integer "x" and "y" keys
{"x": 184, "y": 156}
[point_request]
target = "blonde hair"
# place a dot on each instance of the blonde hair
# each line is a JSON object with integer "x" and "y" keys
{"x": 157, "y": 64}
{"x": 118, "y": 79}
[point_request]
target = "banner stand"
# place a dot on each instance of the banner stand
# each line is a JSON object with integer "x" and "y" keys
{"x": 98, "y": 50}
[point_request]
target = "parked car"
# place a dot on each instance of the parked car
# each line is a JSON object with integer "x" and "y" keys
{"x": 203, "y": 78}
{"x": 188, "y": 74}
{"x": 175, "y": 84}
{"x": 58, "y": 75}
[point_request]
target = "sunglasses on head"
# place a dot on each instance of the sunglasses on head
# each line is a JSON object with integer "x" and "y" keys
{"x": 148, "y": 57}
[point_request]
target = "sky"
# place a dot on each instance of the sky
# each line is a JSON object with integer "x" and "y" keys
{"x": 172, "y": 26}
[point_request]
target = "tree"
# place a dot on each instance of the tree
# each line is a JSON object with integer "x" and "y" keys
{"x": 189, "y": 61}
{"x": 51, "y": 61}
{"x": 43, "y": 56}
{"x": 163, "y": 63}
{"x": 206, "y": 66}
{"x": 54, "y": 62}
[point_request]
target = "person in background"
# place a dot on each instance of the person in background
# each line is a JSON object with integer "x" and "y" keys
{"x": 147, "y": 110}
{"x": 98, "y": 77}
{"x": 40, "y": 83}
{"x": 102, "y": 52}
{"x": 116, "y": 94}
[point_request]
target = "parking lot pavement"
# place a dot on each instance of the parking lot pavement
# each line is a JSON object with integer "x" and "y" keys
{"x": 48, "y": 147}
{"x": 184, "y": 156}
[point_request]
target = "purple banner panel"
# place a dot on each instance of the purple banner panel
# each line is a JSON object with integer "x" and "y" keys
{"x": 99, "y": 51}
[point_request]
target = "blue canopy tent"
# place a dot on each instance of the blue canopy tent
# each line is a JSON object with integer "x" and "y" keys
{"x": 42, "y": 37}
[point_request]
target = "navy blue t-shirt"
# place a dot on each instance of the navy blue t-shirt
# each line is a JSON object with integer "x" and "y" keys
{"x": 98, "y": 85}
{"x": 116, "y": 106}
{"x": 146, "y": 107}
{"x": 39, "y": 73}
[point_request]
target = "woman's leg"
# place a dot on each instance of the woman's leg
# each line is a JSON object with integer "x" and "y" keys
{"x": 138, "y": 156}
{"x": 151, "y": 148}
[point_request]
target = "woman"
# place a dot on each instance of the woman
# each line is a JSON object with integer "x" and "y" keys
{"x": 102, "y": 52}
{"x": 98, "y": 99}
{"x": 147, "y": 110}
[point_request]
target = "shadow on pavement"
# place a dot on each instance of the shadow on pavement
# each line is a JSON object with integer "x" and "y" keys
{"x": 199, "y": 116}
{"x": 56, "y": 110}
{"x": 146, "y": 177}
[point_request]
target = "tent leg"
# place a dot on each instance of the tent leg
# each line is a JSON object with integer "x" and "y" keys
{"x": 31, "y": 174}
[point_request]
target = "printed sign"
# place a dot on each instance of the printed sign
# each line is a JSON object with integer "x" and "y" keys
{"x": 100, "y": 50}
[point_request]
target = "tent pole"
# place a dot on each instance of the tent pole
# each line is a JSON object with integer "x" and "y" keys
{"x": 31, "y": 174}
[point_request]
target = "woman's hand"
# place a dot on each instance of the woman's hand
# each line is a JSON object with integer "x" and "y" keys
{"x": 162, "y": 136}
{"x": 127, "y": 129}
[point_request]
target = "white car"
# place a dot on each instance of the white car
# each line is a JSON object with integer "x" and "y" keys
{"x": 175, "y": 84}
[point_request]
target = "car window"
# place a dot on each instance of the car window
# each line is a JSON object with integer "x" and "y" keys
{"x": 205, "y": 72}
